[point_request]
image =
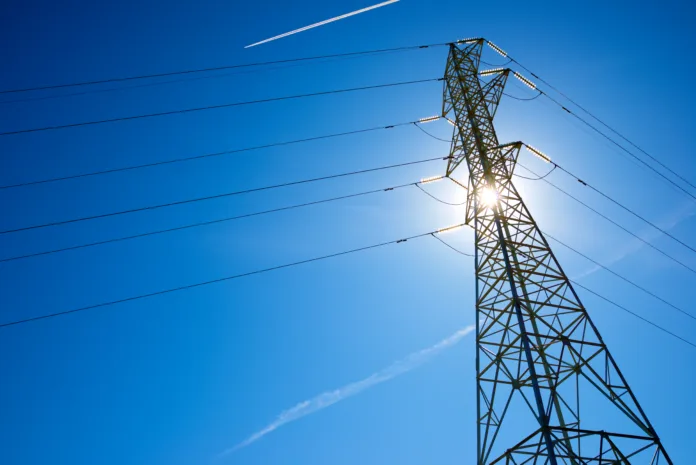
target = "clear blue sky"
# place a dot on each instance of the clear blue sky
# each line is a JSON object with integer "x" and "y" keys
{"x": 175, "y": 380}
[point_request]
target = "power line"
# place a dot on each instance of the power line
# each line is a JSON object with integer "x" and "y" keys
{"x": 609, "y": 198}
{"x": 620, "y": 276}
{"x": 494, "y": 65}
{"x": 427, "y": 133}
{"x": 205, "y": 283}
{"x": 523, "y": 99}
{"x": 439, "y": 200}
{"x": 611, "y": 221}
{"x": 630, "y": 312}
{"x": 219, "y": 68}
{"x": 206, "y": 223}
{"x": 198, "y": 157}
{"x": 220, "y": 220}
{"x": 643, "y": 162}
{"x": 538, "y": 178}
{"x": 213, "y": 107}
{"x": 136, "y": 86}
{"x": 624, "y": 149}
{"x": 655, "y": 159}
{"x": 606, "y": 299}
{"x": 632, "y": 212}
{"x": 452, "y": 247}
{"x": 160, "y": 83}
{"x": 217, "y": 196}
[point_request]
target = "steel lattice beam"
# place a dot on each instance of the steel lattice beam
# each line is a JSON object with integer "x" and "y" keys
{"x": 538, "y": 352}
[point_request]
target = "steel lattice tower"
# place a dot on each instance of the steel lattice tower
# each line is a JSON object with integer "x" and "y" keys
{"x": 538, "y": 353}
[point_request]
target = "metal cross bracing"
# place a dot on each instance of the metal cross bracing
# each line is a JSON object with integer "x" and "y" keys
{"x": 549, "y": 391}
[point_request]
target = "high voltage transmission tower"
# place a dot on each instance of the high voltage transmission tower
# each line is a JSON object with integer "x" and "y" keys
{"x": 549, "y": 391}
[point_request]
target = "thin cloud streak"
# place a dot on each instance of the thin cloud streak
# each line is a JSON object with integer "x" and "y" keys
{"x": 321, "y": 23}
{"x": 329, "y": 398}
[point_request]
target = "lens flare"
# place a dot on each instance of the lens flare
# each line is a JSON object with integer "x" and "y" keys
{"x": 488, "y": 197}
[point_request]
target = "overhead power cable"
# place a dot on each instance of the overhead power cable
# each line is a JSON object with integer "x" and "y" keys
{"x": 623, "y": 278}
{"x": 597, "y": 212}
{"x": 594, "y": 128}
{"x": 219, "y": 68}
{"x": 522, "y": 98}
{"x": 630, "y": 312}
{"x": 653, "y": 158}
{"x": 220, "y": 220}
{"x": 206, "y": 223}
{"x": 439, "y": 200}
{"x": 492, "y": 65}
{"x": 217, "y": 196}
{"x": 625, "y": 208}
{"x": 428, "y": 134}
{"x": 212, "y": 281}
{"x": 538, "y": 178}
{"x": 140, "y": 86}
{"x": 189, "y": 78}
{"x": 203, "y": 156}
{"x": 451, "y": 247}
{"x": 606, "y": 299}
{"x": 607, "y": 197}
{"x": 624, "y": 149}
{"x": 128, "y": 87}
{"x": 213, "y": 107}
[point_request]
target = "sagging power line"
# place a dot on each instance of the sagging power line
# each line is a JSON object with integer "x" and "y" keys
{"x": 214, "y": 107}
{"x": 606, "y": 125}
{"x": 216, "y": 196}
{"x": 610, "y": 220}
{"x": 219, "y": 68}
{"x": 207, "y": 223}
{"x": 218, "y": 280}
{"x": 202, "y": 156}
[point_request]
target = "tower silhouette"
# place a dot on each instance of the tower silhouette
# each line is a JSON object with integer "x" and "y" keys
{"x": 549, "y": 391}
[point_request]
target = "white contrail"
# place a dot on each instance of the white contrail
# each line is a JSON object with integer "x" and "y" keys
{"x": 328, "y": 398}
{"x": 302, "y": 29}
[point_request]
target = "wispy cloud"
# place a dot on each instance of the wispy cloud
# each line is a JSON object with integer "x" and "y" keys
{"x": 327, "y": 21}
{"x": 328, "y": 398}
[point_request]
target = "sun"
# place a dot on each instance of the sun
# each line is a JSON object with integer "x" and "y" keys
{"x": 488, "y": 197}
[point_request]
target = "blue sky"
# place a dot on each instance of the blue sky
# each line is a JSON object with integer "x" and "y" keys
{"x": 178, "y": 379}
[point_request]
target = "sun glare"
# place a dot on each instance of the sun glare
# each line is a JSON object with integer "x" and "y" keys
{"x": 488, "y": 197}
